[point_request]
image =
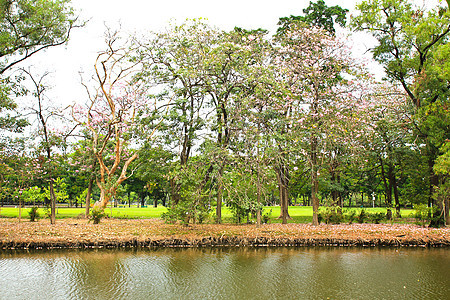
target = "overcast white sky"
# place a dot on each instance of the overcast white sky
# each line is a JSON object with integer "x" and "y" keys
{"x": 142, "y": 15}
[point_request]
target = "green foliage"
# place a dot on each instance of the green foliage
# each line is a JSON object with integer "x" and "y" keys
{"x": 60, "y": 187}
{"x": 97, "y": 214}
{"x": 350, "y": 215}
{"x": 30, "y": 26}
{"x": 317, "y": 14}
{"x": 81, "y": 198}
{"x": 183, "y": 213}
{"x": 34, "y": 214}
{"x": 331, "y": 214}
{"x": 376, "y": 218}
{"x": 33, "y": 195}
{"x": 265, "y": 218}
{"x": 27, "y": 27}
{"x": 425, "y": 214}
{"x": 362, "y": 216}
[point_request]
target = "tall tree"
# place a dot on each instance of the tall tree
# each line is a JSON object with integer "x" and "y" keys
{"x": 410, "y": 41}
{"x": 111, "y": 113}
{"x": 319, "y": 94}
{"x": 51, "y": 138}
{"x": 317, "y": 14}
{"x": 173, "y": 60}
{"x": 28, "y": 27}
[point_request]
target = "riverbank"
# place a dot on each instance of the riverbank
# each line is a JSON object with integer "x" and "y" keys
{"x": 117, "y": 233}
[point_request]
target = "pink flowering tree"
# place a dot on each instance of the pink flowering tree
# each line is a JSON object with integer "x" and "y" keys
{"x": 322, "y": 81}
{"x": 110, "y": 116}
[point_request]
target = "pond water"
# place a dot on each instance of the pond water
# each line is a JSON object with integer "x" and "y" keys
{"x": 227, "y": 273}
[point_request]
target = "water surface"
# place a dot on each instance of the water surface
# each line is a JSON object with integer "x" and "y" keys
{"x": 227, "y": 273}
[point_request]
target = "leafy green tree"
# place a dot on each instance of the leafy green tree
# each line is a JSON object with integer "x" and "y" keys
{"x": 229, "y": 76}
{"x": 60, "y": 190}
{"x": 442, "y": 167}
{"x": 411, "y": 43}
{"x": 317, "y": 14}
{"x": 27, "y": 27}
{"x": 174, "y": 60}
{"x": 33, "y": 195}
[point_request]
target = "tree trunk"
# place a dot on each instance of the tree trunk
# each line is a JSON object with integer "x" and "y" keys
{"x": 283, "y": 183}
{"x": 88, "y": 197}
{"x": 314, "y": 198}
{"x": 314, "y": 181}
{"x": 387, "y": 192}
{"x": 174, "y": 192}
{"x": 446, "y": 211}
{"x": 219, "y": 204}
{"x": 142, "y": 196}
{"x": 393, "y": 186}
{"x": 164, "y": 199}
{"x": 219, "y": 197}
{"x": 52, "y": 203}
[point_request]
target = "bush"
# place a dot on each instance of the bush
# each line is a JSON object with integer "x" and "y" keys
{"x": 376, "y": 217}
{"x": 185, "y": 214}
{"x": 97, "y": 214}
{"x": 350, "y": 216}
{"x": 362, "y": 216}
{"x": 266, "y": 217}
{"x": 34, "y": 214}
{"x": 331, "y": 215}
{"x": 430, "y": 215}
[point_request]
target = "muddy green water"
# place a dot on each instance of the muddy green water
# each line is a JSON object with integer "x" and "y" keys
{"x": 230, "y": 273}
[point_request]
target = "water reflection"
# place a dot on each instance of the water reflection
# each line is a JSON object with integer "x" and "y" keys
{"x": 229, "y": 273}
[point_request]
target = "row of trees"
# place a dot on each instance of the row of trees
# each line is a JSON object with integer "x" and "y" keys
{"x": 209, "y": 117}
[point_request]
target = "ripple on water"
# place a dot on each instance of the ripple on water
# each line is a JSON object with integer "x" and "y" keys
{"x": 227, "y": 274}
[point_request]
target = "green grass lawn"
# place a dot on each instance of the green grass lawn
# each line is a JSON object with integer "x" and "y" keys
{"x": 299, "y": 214}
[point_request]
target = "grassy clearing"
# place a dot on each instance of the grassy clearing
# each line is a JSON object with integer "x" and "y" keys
{"x": 299, "y": 214}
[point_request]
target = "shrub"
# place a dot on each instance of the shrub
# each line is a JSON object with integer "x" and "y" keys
{"x": 425, "y": 214}
{"x": 350, "y": 216}
{"x": 266, "y": 217}
{"x": 376, "y": 217}
{"x": 97, "y": 214}
{"x": 331, "y": 215}
{"x": 362, "y": 216}
{"x": 34, "y": 214}
{"x": 185, "y": 214}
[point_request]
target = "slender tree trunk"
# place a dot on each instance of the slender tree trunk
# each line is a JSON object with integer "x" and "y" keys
{"x": 52, "y": 203}
{"x": 314, "y": 197}
{"x": 219, "y": 196}
{"x": 387, "y": 192}
{"x": 393, "y": 186}
{"x": 314, "y": 181}
{"x": 20, "y": 209}
{"x": 283, "y": 183}
{"x": 446, "y": 211}
{"x": 219, "y": 204}
{"x": 88, "y": 197}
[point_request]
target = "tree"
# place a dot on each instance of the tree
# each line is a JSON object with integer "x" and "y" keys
{"x": 229, "y": 76}
{"x": 173, "y": 61}
{"x": 317, "y": 14}
{"x": 51, "y": 137}
{"x": 410, "y": 42}
{"x": 110, "y": 116}
{"x": 28, "y": 27}
{"x": 442, "y": 167}
{"x": 322, "y": 83}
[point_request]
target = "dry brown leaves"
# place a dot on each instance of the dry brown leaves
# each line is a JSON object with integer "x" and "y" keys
{"x": 78, "y": 230}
